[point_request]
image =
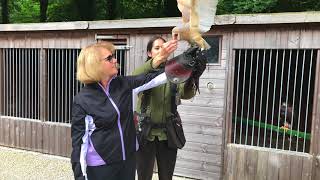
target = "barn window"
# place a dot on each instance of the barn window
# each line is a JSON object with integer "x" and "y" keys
{"x": 273, "y": 98}
{"x": 20, "y": 80}
{"x": 41, "y": 83}
{"x": 62, "y": 83}
{"x": 214, "y": 51}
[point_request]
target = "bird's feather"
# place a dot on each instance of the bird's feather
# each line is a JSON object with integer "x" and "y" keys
{"x": 197, "y": 18}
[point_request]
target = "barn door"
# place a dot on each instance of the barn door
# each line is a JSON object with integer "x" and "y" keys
{"x": 274, "y": 115}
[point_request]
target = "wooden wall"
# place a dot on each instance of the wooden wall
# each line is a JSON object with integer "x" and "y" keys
{"x": 254, "y": 163}
{"x": 244, "y": 162}
{"x": 202, "y": 116}
{"x": 28, "y": 134}
{"x": 206, "y": 117}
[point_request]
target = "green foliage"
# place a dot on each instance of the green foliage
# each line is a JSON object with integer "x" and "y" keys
{"x": 254, "y": 6}
{"x": 24, "y": 11}
{"x": 142, "y": 8}
{"x": 245, "y": 6}
{"x": 59, "y": 10}
{"x": 266, "y": 6}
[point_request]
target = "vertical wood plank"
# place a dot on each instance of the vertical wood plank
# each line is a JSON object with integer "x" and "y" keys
{"x": 248, "y": 39}
{"x": 4, "y": 40}
{"x": 306, "y": 38}
{"x": 271, "y": 38}
{"x": 315, "y": 144}
{"x": 34, "y": 137}
{"x": 29, "y": 135}
{"x": 315, "y": 37}
{"x": 238, "y": 40}
{"x": 241, "y": 163}
{"x": 2, "y": 128}
{"x": 273, "y": 166}
{"x": 57, "y": 139}
{"x": 43, "y": 85}
{"x": 138, "y": 51}
{"x": 307, "y": 168}
{"x": 295, "y": 167}
{"x": 39, "y": 136}
{"x": 130, "y": 54}
{"x": 284, "y": 173}
{"x": 68, "y": 143}
{"x": 7, "y": 130}
{"x": 252, "y": 160}
{"x": 52, "y": 139}
{"x": 227, "y": 124}
{"x": 231, "y": 173}
{"x": 2, "y": 81}
{"x": 46, "y": 138}
{"x": 21, "y": 133}
{"x": 262, "y": 166}
{"x": 294, "y": 39}
{"x": 259, "y": 39}
{"x": 14, "y": 134}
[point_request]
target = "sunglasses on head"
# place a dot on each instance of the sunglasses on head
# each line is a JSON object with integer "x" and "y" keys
{"x": 109, "y": 58}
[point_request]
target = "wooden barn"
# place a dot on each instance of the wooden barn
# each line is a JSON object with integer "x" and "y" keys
{"x": 257, "y": 115}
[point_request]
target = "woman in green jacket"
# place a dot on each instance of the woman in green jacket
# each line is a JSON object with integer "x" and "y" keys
{"x": 158, "y": 102}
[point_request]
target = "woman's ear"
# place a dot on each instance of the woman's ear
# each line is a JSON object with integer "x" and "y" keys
{"x": 149, "y": 54}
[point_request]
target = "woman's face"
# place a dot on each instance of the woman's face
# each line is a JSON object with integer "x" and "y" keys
{"x": 109, "y": 63}
{"x": 156, "y": 47}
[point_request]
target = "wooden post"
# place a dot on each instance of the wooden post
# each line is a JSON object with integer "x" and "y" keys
{"x": 1, "y": 82}
{"x": 228, "y": 115}
{"x": 315, "y": 143}
{"x": 43, "y": 85}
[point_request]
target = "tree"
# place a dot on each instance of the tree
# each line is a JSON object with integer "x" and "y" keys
{"x": 171, "y": 8}
{"x": 86, "y": 9}
{"x": 43, "y": 10}
{"x": 4, "y": 11}
{"x": 24, "y": 11}
{"x": 113, "y": 9}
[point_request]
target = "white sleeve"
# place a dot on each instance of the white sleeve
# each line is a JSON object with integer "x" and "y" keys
{"x": 160, "y": 79}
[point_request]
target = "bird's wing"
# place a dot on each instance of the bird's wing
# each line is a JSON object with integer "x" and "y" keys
{"x": 197, "y": 18}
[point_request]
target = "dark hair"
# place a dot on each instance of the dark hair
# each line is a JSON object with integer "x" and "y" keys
{"x": 150, "y": 43}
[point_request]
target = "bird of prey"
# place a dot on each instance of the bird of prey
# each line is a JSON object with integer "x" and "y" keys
{"x": 197, "y": 18}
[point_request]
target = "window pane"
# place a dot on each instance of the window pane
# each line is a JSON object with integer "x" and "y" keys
{"x": 213, "y": 52}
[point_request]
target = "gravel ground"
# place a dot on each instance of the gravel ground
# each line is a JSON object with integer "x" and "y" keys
{"x": 25, "y": 165}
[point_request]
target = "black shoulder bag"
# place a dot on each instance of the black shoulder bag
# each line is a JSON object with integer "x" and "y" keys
{"x": 174, "y": 129}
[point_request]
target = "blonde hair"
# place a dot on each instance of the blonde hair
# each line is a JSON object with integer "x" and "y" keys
{"x": 89, "y": 63}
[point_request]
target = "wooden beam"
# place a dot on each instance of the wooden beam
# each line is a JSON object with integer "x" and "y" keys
{"x": 1, "y": 82}
{"x": 269, "y": 18}
{"x": 43, "y": 85}
{"x": 219, "y": 20}
{"x": 227, "y": 124}
{"x": 315, "y": 144}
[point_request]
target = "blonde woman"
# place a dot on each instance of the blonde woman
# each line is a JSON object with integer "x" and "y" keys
{"x": 102, "y": 129}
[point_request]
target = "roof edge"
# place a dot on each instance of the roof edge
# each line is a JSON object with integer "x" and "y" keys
{"x": 269, "y": 18}
{"x": 220, "y": 20}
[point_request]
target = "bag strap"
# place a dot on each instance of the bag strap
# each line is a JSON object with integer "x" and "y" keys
{"x": 173, "y": 90}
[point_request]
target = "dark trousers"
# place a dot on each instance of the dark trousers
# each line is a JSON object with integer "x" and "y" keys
{"x": 166, "y": 160}
{"x": 124, "y": 170}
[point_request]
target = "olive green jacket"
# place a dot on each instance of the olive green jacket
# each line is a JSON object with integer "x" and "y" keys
{"x": 159, "y": 106}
